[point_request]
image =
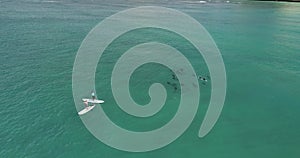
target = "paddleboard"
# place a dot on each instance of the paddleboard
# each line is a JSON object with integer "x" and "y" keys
{"x": 85, "y": 110}
{"x": 93, "y": 101}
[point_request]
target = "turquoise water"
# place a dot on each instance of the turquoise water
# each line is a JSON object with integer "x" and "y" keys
{"x": 259, "y": 42}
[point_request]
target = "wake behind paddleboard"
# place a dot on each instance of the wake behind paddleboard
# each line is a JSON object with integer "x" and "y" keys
{"x": 85, "y": 110}
{"x": 93, "y": 101}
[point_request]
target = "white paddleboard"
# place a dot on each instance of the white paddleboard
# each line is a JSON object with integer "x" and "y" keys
{"x": 85, "y": 110}
{"x": 93, "y": 101}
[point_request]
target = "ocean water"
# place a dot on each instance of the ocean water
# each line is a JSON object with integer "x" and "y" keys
{"x": 259, "y": 42}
